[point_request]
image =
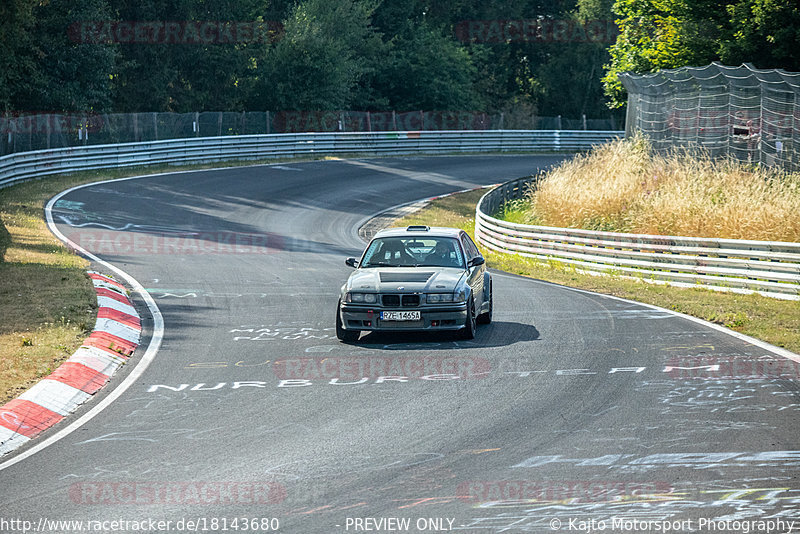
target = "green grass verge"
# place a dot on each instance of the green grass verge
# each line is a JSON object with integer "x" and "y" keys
{"x": 771, "y": 320}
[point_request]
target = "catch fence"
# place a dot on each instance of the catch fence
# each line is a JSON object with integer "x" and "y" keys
{"x": 44, "y": 131}
{"x": 749, "y": 114}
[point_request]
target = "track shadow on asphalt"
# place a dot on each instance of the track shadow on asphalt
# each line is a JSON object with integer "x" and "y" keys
{"x": 496, "y": 334}
{"x": 183, "y": 318}
{"x": 179, "y": 228}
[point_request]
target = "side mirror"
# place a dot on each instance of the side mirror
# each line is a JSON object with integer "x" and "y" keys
{"x": 351, "y": 262}
{"x": 474, "y": 262}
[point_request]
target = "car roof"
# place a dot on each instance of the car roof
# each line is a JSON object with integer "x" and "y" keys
{"x": 417, "y": 231}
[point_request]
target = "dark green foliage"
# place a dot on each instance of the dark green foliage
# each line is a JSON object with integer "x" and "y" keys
{"x": 659, "y": 34}
{"x": 328, "y": 48}
{"x": 428, "y": 70}
{"x": 375, "y": 54}
{"x": 17, "y": 62}
{"x": 765, "y": 33}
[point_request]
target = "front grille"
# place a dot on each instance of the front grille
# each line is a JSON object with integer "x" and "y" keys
{"x": 391, "y": 300}
{"x": 410, "y": 300}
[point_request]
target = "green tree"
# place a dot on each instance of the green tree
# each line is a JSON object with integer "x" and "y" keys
{"x": 323, "y": 56}
{"x": 661, "y": 34}
{"x": 763, "y": 32}
{"x": 429, "y": 70}
{"x": 71, "y": 75}
{"x": 193, "y": 74}
{"x": 17, "y": 61}
{"x": 653, "y": 35}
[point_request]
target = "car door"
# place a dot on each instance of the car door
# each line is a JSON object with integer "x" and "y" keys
{"x": 474, "y": 273}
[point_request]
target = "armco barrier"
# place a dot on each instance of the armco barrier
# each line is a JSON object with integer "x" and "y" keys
{"x": 768, "y": 267}
{"x": 26, "y": 165}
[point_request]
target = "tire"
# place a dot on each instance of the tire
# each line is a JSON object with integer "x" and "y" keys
{"x": 347, "y": 336}
{"x": 470, "y": 325}
{"x": 486, "y": 318}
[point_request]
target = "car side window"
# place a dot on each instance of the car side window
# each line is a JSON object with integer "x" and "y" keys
{"x": 473, "y": 248}
{"x": 469, "y": 247}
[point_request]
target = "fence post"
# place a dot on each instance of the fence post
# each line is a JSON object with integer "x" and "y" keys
{"x": 219, "y": 123}
{"x": 559, "y": 122}
{"x": 369, "y": 123}
{"x": 269, "y": 124}
{"x": 155, "y": 126}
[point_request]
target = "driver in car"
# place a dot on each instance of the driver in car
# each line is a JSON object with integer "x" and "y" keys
{"x": 441, "y": 255}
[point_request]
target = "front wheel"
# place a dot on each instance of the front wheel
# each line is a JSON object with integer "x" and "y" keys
{"x": 486, "y": 318}
{"x": 470, "y": 325}
{"x": 348, "y": 336}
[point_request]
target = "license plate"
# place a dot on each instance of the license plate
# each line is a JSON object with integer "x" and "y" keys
{"x": 400, "y": 316}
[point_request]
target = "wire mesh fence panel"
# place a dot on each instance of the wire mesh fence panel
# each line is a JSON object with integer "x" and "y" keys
{"x": 743, "y": 112}
{"x": 114, "y": 128}
{"x": 306, "y": 121}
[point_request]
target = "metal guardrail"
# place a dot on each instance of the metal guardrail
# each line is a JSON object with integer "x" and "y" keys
{"x": 27, "y": 165}
{"x": 768, "y": 267}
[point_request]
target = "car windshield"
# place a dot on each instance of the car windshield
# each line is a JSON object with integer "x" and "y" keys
{"x": 413, "y": 251}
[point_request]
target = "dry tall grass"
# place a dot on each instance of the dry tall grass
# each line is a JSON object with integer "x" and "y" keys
{"x": 624, "y": 186}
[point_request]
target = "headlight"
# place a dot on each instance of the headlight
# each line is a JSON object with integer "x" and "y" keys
{"x": 461, "y": 296}
{"x": 436, "y": 298}
{"x": 366, "y": 298}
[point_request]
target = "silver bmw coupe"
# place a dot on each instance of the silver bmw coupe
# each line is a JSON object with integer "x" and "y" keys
{"x": 416, "y": 278}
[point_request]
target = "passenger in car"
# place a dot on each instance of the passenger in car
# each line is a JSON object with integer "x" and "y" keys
{"x": 394, "y": 252}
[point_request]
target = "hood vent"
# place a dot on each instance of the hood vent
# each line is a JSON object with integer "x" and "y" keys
{"x": 405, "y": 277}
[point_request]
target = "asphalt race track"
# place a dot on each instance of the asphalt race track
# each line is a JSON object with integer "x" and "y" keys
{"x": 570, "y": 408}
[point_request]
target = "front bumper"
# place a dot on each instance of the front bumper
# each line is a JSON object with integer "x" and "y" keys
{"x": 450, "y": 317}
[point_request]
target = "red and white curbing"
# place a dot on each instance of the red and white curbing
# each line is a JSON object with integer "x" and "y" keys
{"x": 116, "y": 335}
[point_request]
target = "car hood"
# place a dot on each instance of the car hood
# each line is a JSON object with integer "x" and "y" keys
{"x": 405, "y": 280}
